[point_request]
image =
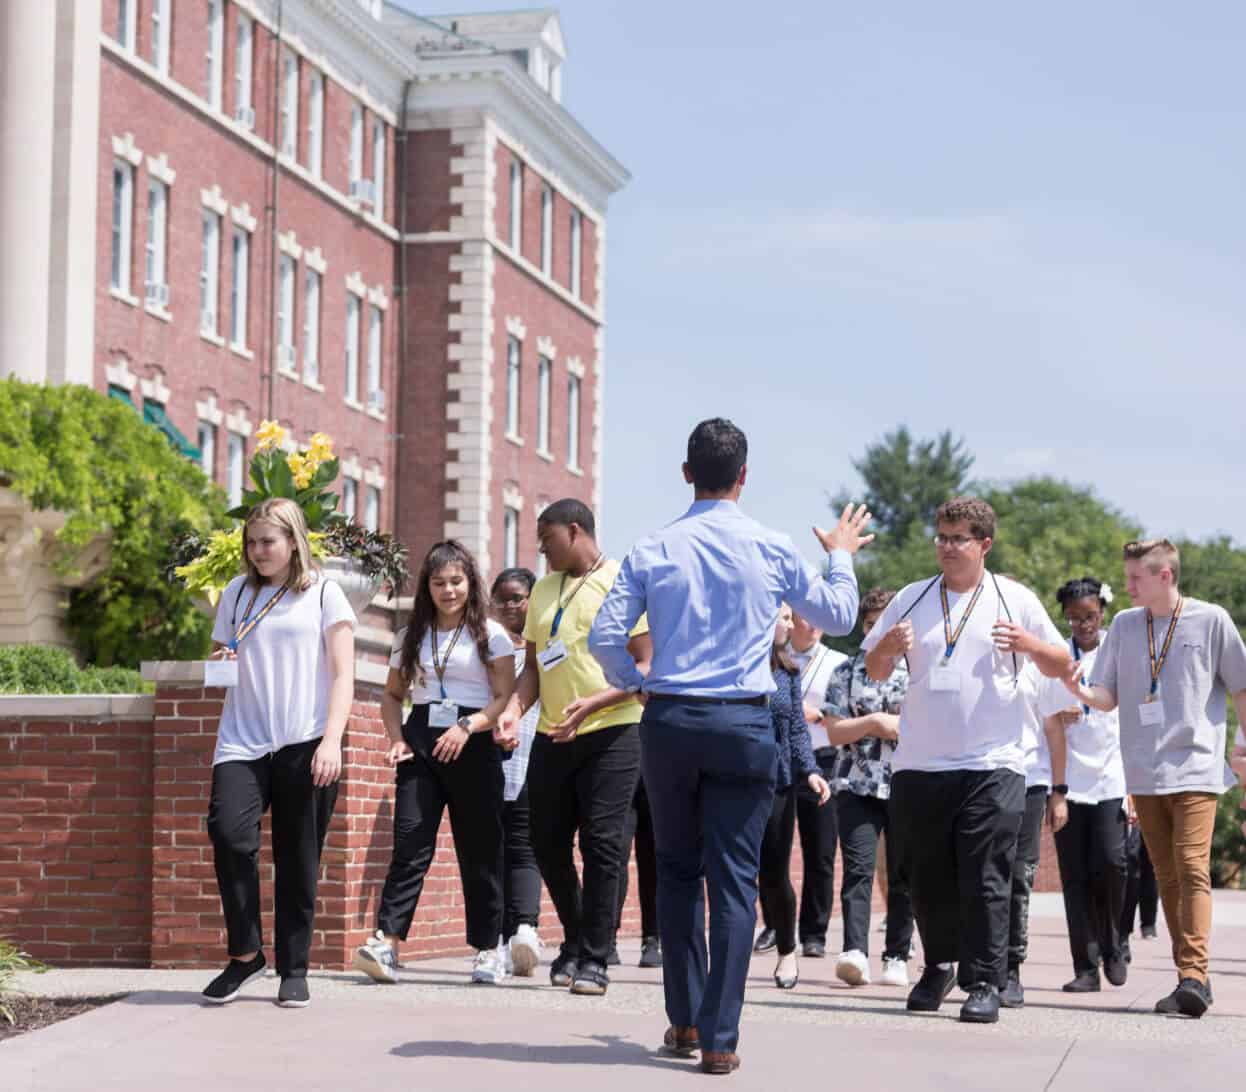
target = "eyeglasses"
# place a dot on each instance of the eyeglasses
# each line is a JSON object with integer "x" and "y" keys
{"x": 513, "y": 601}
{"x": 957, "y": 542}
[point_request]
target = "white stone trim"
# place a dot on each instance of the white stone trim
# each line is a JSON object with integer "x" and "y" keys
{"x": 511, "y": 497}
{"x": 123, "y": 147}
{"x": 158, "y": 167}
{"x": 374, "y": 477}
{"x": 154, "y": 390}
{"x": 315, "y": 260}
{"x": 515, "y": 327}
{"x": 289, "y": 444}
{"x": 352, "y": 468}
{"x": 214, "y": 200}
{"x": 241, "y": 215}
{"x": 475, "y": 196}
{"x": 209, "y": 411}
{"x": 239, "y": 422}
{"x": 576, "y": 367}
{"x": 377, "y": 297}
{"x": 356, "y": 286}
{"x": 119, "y": 375}
{"x": 545, "y": 347}
{"x": 287, "y": 243}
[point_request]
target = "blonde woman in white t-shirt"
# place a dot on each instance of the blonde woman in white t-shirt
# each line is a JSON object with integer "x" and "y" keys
{"x": 290, "y": 634}
{"x": 458, "y": 666}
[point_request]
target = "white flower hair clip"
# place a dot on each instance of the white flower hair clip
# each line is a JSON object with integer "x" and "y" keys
{"x": 1105, "y": 592}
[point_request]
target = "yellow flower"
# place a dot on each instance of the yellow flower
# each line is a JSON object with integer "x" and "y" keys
{"x": 270, "y": 434}
{"x": 321, "y": 448}
{"x": 300, "y": 469}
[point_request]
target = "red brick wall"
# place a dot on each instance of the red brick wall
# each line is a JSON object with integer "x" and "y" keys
{"x": 429, "y": 181}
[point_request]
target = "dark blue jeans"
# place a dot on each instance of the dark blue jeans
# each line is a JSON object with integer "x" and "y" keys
{"x": 709, "y": 771}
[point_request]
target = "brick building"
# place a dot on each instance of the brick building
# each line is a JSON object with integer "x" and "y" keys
{"x": 333, "y": 213}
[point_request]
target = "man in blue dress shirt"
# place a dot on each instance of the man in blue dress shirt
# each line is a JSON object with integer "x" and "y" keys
{"x": 712, "y": 583}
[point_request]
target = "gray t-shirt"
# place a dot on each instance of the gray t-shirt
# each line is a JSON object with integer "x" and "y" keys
{"x": 1206, "y": 661}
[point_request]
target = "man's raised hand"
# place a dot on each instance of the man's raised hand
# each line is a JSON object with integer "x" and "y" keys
{"x": 848, "y": 533}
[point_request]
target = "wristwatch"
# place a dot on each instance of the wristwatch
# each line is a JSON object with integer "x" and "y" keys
{"x": 1063, "y": 790}
{"x": 465, "y": 723}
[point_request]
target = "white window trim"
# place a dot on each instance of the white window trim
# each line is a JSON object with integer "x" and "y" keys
{"x": 515, "y": 327}
{"x": 161, "y": 37}
{"x": 514, "y": 420}
{"x": 515, "y": 227}
{"x": 354, "y": 311}
{"x": 154, "y": 389}
{"x": 236, "y": 480}
{"x": 350, "y": 485}
{"x": 376, "y": 339}
{"x": 214, "y": 200}
{"x": 546, "y": 347}
{"x": 544, "y": 405}
{"x": 315, "y": 123}
{"x": 244, "y": 63}
{"x": 547, "y": 230}
{"x": 216, "y": 54}
{"x": 311, "y": 327}
{"x": 207, "y": 450}
{"x": 378, "y": 167}
{"x": 289, "y": 129}
{"x": 577, "y": 246}
{"x": 574, "y": 420}
{"x": 156, "y": 249}
{"x": 209, "y": 411}
{"x": 124, "y": 233}
{"x": 129, "y": 10}
{"x": 210, "y": 276}
{"x": 510, "y": 536}
{"x": 315, "y": 260}
{"x": 287, "y": 286}
{"x": 371, "y": 496}
{"x": 355, "y": 153}
{"x": 119, "y": 375}
{"x": 239, "y": 289}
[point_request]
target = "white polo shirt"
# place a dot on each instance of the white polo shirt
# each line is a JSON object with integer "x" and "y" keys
{"x": 816, "y": 666}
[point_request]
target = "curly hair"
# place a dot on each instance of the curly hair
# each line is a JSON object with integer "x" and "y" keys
{"x": 424, "y": 610}
{"x": 875, "y": 601}
{"x": 971, "y": 510}
{"x": 1085, "y": 587}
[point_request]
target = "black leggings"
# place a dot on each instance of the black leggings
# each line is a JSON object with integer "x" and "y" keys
{"x": 521, "y": 878}
{"x": 640, "y": 828}
{"x": 774, "y": 881}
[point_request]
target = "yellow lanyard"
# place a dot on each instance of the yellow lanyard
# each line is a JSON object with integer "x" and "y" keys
{"x": 440, "y": 664}
{"x": 1158, "y": 665}
{"x": 950, "y": 638}
{"x": 248, "y": 626}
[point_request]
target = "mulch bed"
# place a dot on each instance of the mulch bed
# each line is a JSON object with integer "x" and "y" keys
{"x": 32, "y": 1013}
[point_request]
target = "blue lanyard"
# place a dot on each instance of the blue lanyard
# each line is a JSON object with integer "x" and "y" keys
{"x": 562, "y": 607}
{"x": 248, "y": 625}
{"x": 1077, "y": 655}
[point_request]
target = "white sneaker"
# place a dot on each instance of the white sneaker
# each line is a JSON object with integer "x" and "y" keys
{"x": 853, "y": 967}
{"x": 376, "y": 959}
{"x": 895, "y": 972}
{"x": 523, "y": 953}
{"x": 489, "y": 968}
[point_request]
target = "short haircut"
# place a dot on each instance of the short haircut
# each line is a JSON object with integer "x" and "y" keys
{"x": 874, "y": 601}
{"x": 563, "y": 513}
{"x": 717, "y": 452}
{"x": 971, "y": 510}
{"x": 1158, "y": 553}
{"x": 1085, "y": 587}
{"x": 526, "y": 577}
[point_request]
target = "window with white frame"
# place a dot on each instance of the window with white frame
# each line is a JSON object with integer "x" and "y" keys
{"x": 127, "y": 17}
{"x": 378, "y": 168}
{"x": 207, "y": 448}
{"x": 573, "y": 422}
{"x": 244, "y": 112}
{"x": 375, "y": 330}
{"x": 161, "y": 20}
{"x": 289, "y": 104}
{"x": 356, "y": 142}
{"x": 315, "y": 122}
{"x": 516, "y": 210}
{"x": 238, "y": 286}
{"x": 157, "y": 290}
{"x": 577, "y": 233}
{"x": 352, "y": 348}
{"x": 510, "y": 537}
{"x": 311, "y": 326}
{"x": 122, "y": 223}
{"x": 236, "y": 468}
{"x": 514, "y": 362}
{"x": 372, "y": 508}
{"x": 216, "y": 51}
{"x": 285, "y": 313}
{"x": 544, "y": 376}
{"x": 350, "y": 494}
{"x": 210, "y": 273}
{"x": 547, "y": 230}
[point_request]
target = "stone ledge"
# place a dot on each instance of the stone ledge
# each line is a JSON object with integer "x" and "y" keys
{"x": 77, "y": 706}
{"x": 189, "y": 673}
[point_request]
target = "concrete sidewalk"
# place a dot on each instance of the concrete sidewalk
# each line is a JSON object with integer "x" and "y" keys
{"x": 435, "y": 1029}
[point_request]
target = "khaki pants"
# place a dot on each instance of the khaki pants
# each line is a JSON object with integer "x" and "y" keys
{"x": 1177, "y": 830}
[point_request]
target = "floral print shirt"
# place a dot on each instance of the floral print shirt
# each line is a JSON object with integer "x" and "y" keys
{"x": 864, "y": 767}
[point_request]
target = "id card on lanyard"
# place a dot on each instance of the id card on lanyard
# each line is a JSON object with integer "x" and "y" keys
{"x": 443, "y": 713}
{"x": 225, "y": 672}
{"x": 1151, "y": 711}
{"x": 944, "y": 678}
{"x": 555, "y": 650}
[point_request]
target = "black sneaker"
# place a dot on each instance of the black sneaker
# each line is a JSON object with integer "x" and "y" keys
{"x": 933, "y": 986}
{"x": 1126, "y": 952}
{"x": 982, "y": 1005}
{"x": 562, "y": 970}
{"x": 765, "y": 941}
{"x": 651, "y": 952}
{"x": 1116, "y": 970}
{"x": 1012, "y": 996}
{"x": 612, "y": 958}
{"x": 1084, "y": 982}
{"x": 1167, "y": 1006}
{"x": 225, "y": 986}
{"x": 294, "y": 993}
{"x": 813, "y": 949}
{"x": 1192, "y": 997}
{"x": 590, "y": 979}
{"x": 1148, "y": 932}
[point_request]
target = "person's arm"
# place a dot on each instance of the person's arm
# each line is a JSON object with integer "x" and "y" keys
{"x": 449, "y": 745}
{"x": 830, "y": 603}
{"x": 1057, "y": 746}
{"x": 326, "y": 764}
{"x": 1096, "y": 696}
{"x": 1054, "y": 661}
{"x": 640, "y": 648}
{"x": 610, "y": 638}
{"x": 844, "y": 730}
{"x": 391, "y": 715}
{"x": 1237, "y": 758}
{"x": 527, "y": 690}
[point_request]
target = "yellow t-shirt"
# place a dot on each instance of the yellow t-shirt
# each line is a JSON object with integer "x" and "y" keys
{"x": 579, "y": 675}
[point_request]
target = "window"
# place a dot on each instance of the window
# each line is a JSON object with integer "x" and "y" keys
{"x": 378, "y": 169}
{"x": 352, "y": 349}
{"x": 542, "y": 565}
{"x": 543, "y": 377}
{"x": 374, "y": 358}
{"x": 243, "y": 111}
{"x": 126, "y": 26}
{"x": 311, "y": 326}
{"x": 216, "y": 51}
{"x": 210, "y": 272}
{"x": 315, "y": 122}
{"x": 372, "y": 508}
{"x": 122, "y": 223}
{"x": 157, "y": 290}
{"x": 516, "y": 225}
{"x": 510, "y": 537}
{"x": 577, "y": 227}
{"x": 289, "y": 105}
{"x": 573, "y": 422}
{"x": 207, "y": 448}
{"x": 238, "y": 288}
{"x": 285, "y": 314}
{"x": 237, "y": 464}
{"x": 161, "y": 17}
{"x": 356, "y": 142}
{"x": 513, "y": 376}
{"x": 547, "y": 230}
{"x": 350, "y": 490}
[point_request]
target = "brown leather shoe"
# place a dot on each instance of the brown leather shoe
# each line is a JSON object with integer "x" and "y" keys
{"x": 719, "y": 1062}
{"x": 681, "y": 1042}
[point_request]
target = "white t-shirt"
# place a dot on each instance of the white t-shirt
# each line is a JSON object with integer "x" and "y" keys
{"x": 816, "y": 666}
{"x": 1035, "y": 754}
{"x": 1093, "y": 768}
{"x": 466, "y": 677}
{"x": 979, "y": 725}
{"x": 282, "y": 696}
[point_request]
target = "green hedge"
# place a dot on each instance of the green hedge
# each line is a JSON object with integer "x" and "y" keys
{"x": 36, "y": 669}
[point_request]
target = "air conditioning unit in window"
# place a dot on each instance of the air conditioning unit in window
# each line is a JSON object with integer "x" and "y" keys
{"x": 376, "y": 401}
{"x": 207, "y": 322}
{"x": 245, "y": 115}
{"x": 363, "y": 190}
{"x": 285, "y": 357}
{"x": 157, "y": 294}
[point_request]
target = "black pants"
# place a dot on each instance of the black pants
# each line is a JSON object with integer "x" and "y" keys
{"x": 862, "y": 819}
{"x": 639, "y": 830}
{"x": 584, "y": 786}
{"x": 1091, "y": 852}
{"x": 471, "y": 788}
{"x": 774, "y": 881}
{"x": 958, "y": 831}
{"x": 819, "y": 834}
{"x": 1141, "y": 890}
{"x": 1024, "y": 869}
{"x": 521, "y": 879}
{"x": 241, "y": 793}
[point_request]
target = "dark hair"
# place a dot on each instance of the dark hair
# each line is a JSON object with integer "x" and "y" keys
{"x": 1086, "y": 587}
{"x": 567, "y": 511}
{"x": 526, "y": 577}
{"x": 424, "y": 610}
{"x": 875, "y": 600}
{"x": 717, "y": 452}
{"x": 977, "y": 513}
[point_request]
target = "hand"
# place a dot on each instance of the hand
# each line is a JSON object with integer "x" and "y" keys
{"x": 846, "y": 535}
{"x": 821, "y": 789}
{"x": 326, "y": 763}
{"x": 1069, "y": 717}
{"x": 1131, "y": 812}
{"x": 882, "y": 728}
{"x": 1072, "y": 678}
{"x": 1012, "y": 637}
{"x": 399, "y": 752}
{"x": 812, "y": 713}
{"x": 572, "y": 717}
{"x": 224, "y": 654}
{"x": 898, "y": 640}
{"x": 508, "y": 741}
{"x": 1057, "y": 811}
{"x": 450, "y": 743}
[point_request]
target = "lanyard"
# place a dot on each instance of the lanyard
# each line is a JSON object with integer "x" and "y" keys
{"x": 249, "y": 623}
{"x": 950, "y": 638}
{"x": 1077, "y": 655}
{"x": 553, "y": 630}
{"x": 439, "y": 664}
{"x": 1158, "y": 665}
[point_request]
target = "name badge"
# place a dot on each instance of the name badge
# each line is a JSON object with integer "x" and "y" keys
{"x": 220, "y": 672}
{"x": 442, "y": 714}
{"x": 945, "y": 680}
{"x": 552, "y": 655}
{"x": 1151, "y": 713}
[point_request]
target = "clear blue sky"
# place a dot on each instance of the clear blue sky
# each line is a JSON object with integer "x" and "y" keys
{"x": 1023, "y": 223}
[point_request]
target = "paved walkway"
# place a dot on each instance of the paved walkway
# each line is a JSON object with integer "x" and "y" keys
{"x": 436, "y": 1030}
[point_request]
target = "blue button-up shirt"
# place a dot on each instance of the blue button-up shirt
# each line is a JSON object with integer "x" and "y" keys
{"x": 713, "y": 582}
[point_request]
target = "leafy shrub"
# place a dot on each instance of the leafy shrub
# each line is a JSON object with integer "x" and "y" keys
{"x": 13, "y": 960}
{"x": 37, "y": 669}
